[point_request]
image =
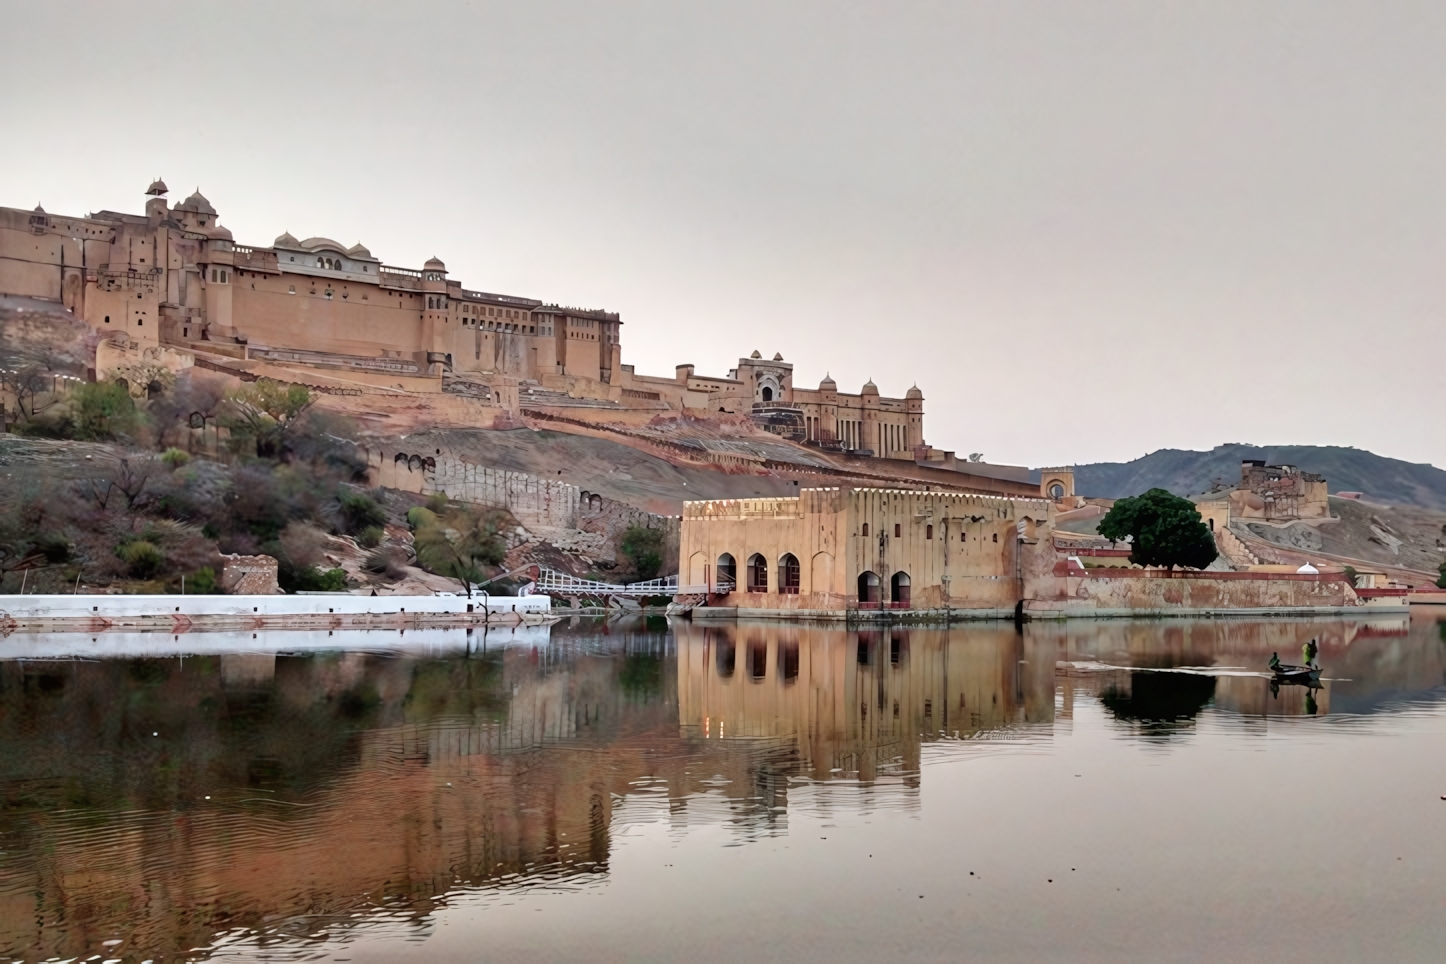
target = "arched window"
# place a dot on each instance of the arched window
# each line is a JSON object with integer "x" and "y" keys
{"x": 757, "y": 573}
{"x": 928, "y": 532}
{"x": 727, "y": 655}
{"x": 899, "y": 590}
{"x": 788, "y": 574}
{"x": 865, "y": 530}
{"x": 757, "y": 660}
{"x": 788, "y": 662}
{"x": 868, "y": 589}
{"x": 727, "y": 577}
{"x": 767, "y": 393}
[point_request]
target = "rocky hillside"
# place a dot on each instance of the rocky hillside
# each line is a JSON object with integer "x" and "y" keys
{"x": 1190, "y": 473}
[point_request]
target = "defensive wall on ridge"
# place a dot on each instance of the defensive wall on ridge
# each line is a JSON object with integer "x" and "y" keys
{"x": 535, "y": 503}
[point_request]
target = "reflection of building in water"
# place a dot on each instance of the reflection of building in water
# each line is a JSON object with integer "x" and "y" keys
{"x": 316, "y": 785}
{"x": 858, "y": 704}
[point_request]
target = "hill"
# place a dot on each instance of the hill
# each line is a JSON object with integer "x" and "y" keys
{"x": 1190, "y": 473}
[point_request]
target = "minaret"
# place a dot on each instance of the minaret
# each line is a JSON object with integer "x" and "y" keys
{"x": 914, "y": 404}
{"x": 871, "y": 440}
{"x": 436, "y": 315}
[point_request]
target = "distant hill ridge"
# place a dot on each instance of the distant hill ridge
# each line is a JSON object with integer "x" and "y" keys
{"x": 1191, "y": 473}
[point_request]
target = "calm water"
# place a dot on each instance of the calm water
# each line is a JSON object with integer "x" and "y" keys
{"x": 645, "y": 791}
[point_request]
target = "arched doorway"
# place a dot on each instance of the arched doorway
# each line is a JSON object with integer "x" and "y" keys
{"x": 868, "y": 590}
{"x": 757, "y": 573}
{"x": 789, "y": 576}
{"x": 727, "y": 578}
{"x": 767, "y": 393}
{"x": 899, "y": 590}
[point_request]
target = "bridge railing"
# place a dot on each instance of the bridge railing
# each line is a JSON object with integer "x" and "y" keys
{"x": 561, "y": 583}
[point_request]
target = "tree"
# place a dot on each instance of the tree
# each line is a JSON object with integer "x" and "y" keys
{"x": 101, "y": 410}
{"x": 1164, "y": 529}
{"x": 458, "y": 542}
{"x": 644, "y": 547}
{"x": 1441, "y": 582}
{"x": 268, "y": 411}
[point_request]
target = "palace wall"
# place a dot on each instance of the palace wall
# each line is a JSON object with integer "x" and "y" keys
{"x": 924, "y": 550}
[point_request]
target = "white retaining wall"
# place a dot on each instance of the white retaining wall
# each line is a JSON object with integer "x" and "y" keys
{"x": 111, "y": 607}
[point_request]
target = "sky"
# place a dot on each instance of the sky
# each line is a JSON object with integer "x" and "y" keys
{"x": 1086, "y": 230}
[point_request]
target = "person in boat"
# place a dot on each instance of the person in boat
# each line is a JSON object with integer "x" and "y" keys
{"x": 1274, "y": 661}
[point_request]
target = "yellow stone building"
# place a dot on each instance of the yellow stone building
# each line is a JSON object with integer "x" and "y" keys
{"x": 836, "y": 549}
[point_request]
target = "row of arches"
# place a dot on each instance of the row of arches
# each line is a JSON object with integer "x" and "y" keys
{"x": 756, "y": 578}
{"x": 415, "y": 463}
{"x": 871, "y": 590}
{"x": 790, "y": 573}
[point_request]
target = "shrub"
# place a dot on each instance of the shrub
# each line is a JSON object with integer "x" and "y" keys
{"x": 384, "y": 562}
{"x": 420, "y": 518}
{"x": 371, "y": 537}
{"x": 143, "y": 559}
{"x": 175, "y": 458}
{"x": 437, "y": 502}
{"x": 101, "y": 410}
{"x": 644, "y": 547}
{"x": 360, "y": 511}
{"x": 202, "y": 582}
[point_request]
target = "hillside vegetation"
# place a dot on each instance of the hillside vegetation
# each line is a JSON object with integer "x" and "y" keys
{"x": 1191, "y": 473}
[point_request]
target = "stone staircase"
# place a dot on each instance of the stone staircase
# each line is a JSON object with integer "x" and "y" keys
{"x": 1233, "y": 549}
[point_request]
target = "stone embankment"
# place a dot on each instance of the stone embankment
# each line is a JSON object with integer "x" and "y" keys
{"x": 183, "y": 614}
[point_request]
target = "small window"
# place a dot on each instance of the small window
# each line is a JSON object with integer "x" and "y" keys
{"x": 996, "y": 537}
{"x": 291, "y": 289}
{"x": 928, "y": 532}
{"x": 866, "y": 528}
{"x": 898, "y": 530}
{"x": 107, "y": 319}
{"x": 223, "y": 277}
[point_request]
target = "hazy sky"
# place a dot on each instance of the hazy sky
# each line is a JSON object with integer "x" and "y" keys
{"x": 1087, "y": 230}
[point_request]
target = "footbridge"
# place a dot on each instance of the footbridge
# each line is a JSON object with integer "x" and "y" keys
{"x": 555, "y": 583}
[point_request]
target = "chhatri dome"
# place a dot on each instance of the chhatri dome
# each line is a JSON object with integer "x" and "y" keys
{"x": 434, "y": 264}
{"x": 197, "y": 204}
{"x": 828, "y": 384}
{"x": 870, "y": 388}
{"x": 157, "y": 188}
{"x": 914, "y": 393}
{"x": 286, "y": 240}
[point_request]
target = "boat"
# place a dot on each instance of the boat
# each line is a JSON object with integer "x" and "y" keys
{"x": 1288, "y": 673}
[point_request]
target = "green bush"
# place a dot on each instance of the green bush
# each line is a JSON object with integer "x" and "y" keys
{"x": 371, "y": 537}
{"x": 420, "y": 518}
{"x": 175, "y": 458}
{"x": 644, "y": 547}
{"x": 143, "y": 559}
{"x": 310, "y": 579}
{"x": 202, "y": 582}
{"x": 101, "y": 410}
{"x": 359, "y": 512}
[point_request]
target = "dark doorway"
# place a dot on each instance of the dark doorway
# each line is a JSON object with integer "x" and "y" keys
{"x": 899, "y": 590}
{"x": 868, "y": 589}
{"x": 727, "y": 573}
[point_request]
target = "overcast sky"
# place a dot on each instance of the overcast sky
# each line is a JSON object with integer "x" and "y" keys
{"x": 1087, "y": 230}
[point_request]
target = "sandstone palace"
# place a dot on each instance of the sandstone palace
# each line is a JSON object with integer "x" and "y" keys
{"x": 171, "y": 288}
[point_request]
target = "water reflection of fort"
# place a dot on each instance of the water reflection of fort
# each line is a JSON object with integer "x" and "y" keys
{"x": 346, "y": 784}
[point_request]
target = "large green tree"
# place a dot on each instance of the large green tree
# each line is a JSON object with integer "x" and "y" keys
{"x": 1163, "y": 529}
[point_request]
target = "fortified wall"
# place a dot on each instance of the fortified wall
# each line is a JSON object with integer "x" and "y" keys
{"x": 170, "y": 287}
{"x": 539, "y": 504}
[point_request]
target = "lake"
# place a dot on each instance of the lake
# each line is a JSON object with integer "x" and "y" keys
{"x": 653, "y": 790}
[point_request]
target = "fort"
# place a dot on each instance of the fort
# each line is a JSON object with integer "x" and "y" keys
{"x": 170, "y": 288}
